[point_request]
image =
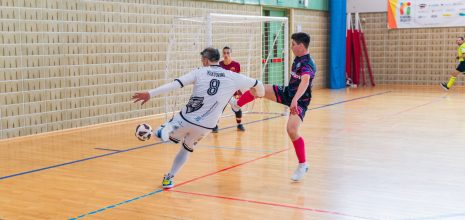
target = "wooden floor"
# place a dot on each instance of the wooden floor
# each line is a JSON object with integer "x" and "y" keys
{"x": 392, "y": 152}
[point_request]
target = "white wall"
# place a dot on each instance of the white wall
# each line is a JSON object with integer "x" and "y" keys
{"x": 366, "y": 6}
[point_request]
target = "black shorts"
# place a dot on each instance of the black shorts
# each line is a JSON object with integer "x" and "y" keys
{"x": 461, "y": 67}
{"x": 282, "y": 96}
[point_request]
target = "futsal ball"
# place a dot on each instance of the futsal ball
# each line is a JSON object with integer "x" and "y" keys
{"x": 143, "y": 132}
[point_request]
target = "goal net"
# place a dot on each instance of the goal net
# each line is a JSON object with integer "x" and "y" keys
{"x": 258, "y": 43}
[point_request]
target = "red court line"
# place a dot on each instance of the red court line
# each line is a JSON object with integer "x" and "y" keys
{"x": 271, "y": 204}
{"x": 158, "y": 190}
{"x": 437, "y": 99}
{"x": 230, "y": 167}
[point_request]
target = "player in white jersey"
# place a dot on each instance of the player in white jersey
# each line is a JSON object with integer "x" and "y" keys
{"x": 213, "y": 87}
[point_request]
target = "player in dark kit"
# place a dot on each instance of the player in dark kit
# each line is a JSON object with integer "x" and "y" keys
{"x": 296, "y": 95}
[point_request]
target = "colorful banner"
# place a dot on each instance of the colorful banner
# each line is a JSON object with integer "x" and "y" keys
{"x": 425, "y": 13}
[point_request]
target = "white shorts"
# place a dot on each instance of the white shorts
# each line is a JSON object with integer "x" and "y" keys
{"x": 186, "y": 133}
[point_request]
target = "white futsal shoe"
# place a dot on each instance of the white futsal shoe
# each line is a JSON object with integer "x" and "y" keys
{"x": 300, "y": 172}
{"x": 163, "y": 132}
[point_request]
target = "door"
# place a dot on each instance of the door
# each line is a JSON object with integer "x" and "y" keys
{"x": 273, "y": 49}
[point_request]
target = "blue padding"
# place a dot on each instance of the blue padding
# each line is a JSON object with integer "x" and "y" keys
{"x": 337, "y": 43}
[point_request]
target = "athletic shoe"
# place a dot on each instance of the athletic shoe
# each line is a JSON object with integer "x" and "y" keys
{"x": 299, "y": 173}
{"x": 444, "y": 86}
{"x": 163, "y": 132}
{"x": 167, "y": 182}
{"x": 240, "y": 127}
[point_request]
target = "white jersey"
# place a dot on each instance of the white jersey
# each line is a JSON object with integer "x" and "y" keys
{"x": 213, "y": 88}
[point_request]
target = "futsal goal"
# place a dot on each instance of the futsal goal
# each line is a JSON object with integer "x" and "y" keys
{"x": 258, "y": 43}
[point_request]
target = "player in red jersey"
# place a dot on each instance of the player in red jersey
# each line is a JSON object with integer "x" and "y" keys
{"x": 229, "y": 64}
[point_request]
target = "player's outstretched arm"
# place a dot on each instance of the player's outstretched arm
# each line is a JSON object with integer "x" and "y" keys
{"x": 145, "y": 96}
{"x": 180, "y": 82}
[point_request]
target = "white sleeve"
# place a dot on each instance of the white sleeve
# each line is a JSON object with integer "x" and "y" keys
{"x": 164, "y": 88}
{"x": 180, "y": 82}
{"x": 187, "y": 79}
{"x": 244, "y": 82}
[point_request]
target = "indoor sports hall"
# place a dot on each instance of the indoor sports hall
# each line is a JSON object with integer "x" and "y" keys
{"x": 382, "y": 138}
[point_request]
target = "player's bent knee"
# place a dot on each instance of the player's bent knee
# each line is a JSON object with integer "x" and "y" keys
{"x": 259, "y": 90}
{"x": 292, "y": 132}
{"x": 187, "y": 147}
{"x": 294, "y": 136}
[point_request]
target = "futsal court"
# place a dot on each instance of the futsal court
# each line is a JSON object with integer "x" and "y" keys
{"x": 384, "y": 133}
{"x": 396, "y": 159}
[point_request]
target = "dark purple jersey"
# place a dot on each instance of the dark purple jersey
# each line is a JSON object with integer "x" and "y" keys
{"x": 303, "y": 65}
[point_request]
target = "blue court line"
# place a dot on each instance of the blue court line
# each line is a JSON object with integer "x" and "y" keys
{"x": 265, "y": 119}
{"x": 237, "y": 148}
{"x": 108, "y": 154}
{"x": 148, "y": 145}
{"x": 439, "y": 216}
{"x": 158, "y": 191}
{"x": 77, "y": 161}
{"x": 349, "y": 100}
{"x": 323, "y": 106}
{"x": 98, "y": 148}
{"x": 118, "y": 204}
{"x": 263, "y": 113}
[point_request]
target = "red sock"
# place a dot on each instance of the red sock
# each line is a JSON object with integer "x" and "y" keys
{"x": 245, "y": 98}
{"x": 299, "y": 147}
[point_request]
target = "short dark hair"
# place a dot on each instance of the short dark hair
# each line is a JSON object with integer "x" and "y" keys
{"x": 301, "y": 38}
{"x": 211, "y": 54}
{"x": 227, "y": 48}
{"x": 461, "y": 38}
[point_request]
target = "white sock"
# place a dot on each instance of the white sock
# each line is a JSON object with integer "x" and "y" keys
{"x": 179, "y": 161}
